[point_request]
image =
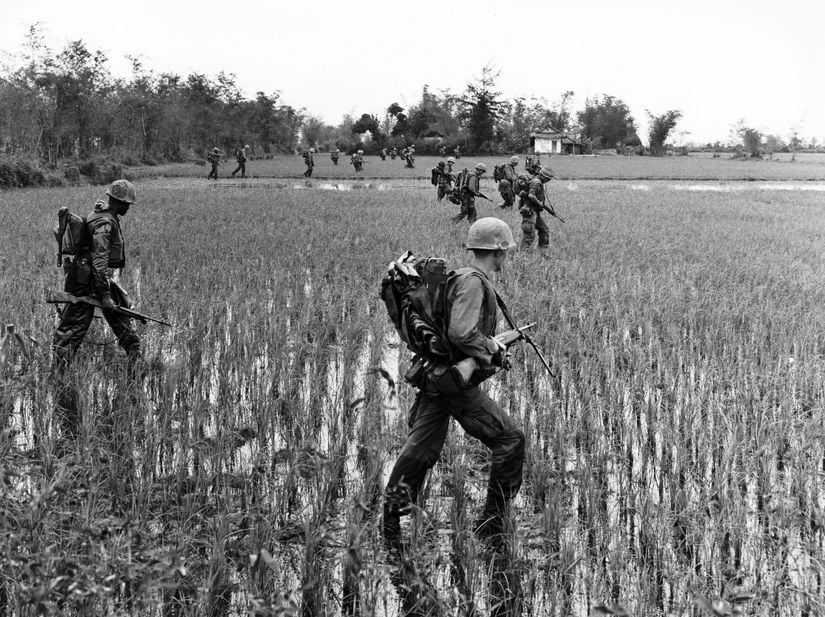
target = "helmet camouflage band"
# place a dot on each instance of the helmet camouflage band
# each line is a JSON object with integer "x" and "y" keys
{"x": 514, "y": 160}
{"x": 481, "y": 167}
{"x": 545, "y": 174}
{"x": 490, "y": 234}
{"x": 122, "y": 190}
{"x": 451, "y": 159}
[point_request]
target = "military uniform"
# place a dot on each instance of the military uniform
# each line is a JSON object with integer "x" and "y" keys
{"x": 531, "y": 219}
{"x": 90, "y": 274}
{"x": 468, "y": 199}
{"x": 334, "y": 156}
{"x": 240, "y": 156}
{"x": 357, "y": 161}
{"x": 309, "y": 162}
{"x": 214, "y": 159}
{"x": 472, "y": 323}
{"x": 444, "y": 181}
{"x": 506, "y": 186}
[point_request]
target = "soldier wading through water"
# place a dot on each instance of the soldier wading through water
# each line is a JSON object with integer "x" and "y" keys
{"x": 471, "y": 318}
{"x": 90, "y": 274}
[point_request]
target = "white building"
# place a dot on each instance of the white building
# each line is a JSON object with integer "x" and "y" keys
{"x": 553, "y": 142}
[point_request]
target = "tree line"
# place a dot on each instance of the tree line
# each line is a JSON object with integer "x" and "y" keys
{"x": 67, "y": 104}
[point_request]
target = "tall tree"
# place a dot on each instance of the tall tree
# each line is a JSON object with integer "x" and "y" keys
{"x": 660, "y": 127}
{"x": 482, "y": 110}
{"x": 607, "y": 122}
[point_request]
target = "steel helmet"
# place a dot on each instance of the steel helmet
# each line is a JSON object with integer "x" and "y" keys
{"x": 441, "y": 163}
{"x": 514, "y": 160}
{"x": 481, "y": 167}
{"x": 122, "y": 190}
{"x": 545, "y": 174}
{"x": 215, "y": 150}
{"x": 451, "y": 159}
{"x": 246, "y": 146}
{"x": 490, "y": 234}
{"x": 360, "y": 152}
{"x": 312, "y": 150}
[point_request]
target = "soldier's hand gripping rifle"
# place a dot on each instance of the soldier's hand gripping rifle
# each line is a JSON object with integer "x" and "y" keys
{"x": 63, "y": 297}
{"x": 527, "y": 338}
{"x": 468, "y": 366}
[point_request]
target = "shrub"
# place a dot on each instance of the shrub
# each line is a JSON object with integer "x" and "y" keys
{"x": 101, "y": 171}
{"x": 16, "y": 173}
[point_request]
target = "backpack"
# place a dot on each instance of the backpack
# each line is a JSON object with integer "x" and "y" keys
{"x": 75, "y": 236}
{"x": 414, "y": 292}
{"x": 498, "y": 173}
{"x": 434, "y": 176}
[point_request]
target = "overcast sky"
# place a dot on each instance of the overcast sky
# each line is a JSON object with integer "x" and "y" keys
{"x": 715, "y": 60}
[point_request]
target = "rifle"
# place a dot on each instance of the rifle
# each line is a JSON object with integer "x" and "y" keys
{"x": 63, "y": 297}
{"x": 509, "y": 319}
{"x": 62, "y": 215}
{"x": 549, "y": 209}
{"x": 483, "y": 196}
{"x": 468, "y": 366}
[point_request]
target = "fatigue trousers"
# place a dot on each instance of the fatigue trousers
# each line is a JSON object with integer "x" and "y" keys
{"x": 468, "y": 209}
{"x": 213, "y": 173}
{"x": 531, "y": 222}
{"x": 443, "y": 191}
{"x": 482, "y": 418}
{"x": 241, "y": 168}
{"x": 308, "y": 172}
{"x": 75, "y": 320}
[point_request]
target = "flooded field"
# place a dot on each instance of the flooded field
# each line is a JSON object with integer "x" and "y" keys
{"x": 676, "y": 464}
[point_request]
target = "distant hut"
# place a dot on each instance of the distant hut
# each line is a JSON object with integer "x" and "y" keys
{"x": 554, "y": 142}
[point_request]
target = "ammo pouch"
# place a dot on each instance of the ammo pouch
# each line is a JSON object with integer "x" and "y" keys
{"x": 78, "y": 275}
{"x": 434, "y": 379}
{"x": 444, "y": 380}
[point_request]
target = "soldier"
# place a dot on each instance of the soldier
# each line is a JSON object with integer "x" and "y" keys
{"x": 91, "y": 275}
{"x": 442, "y": 179}
{"x": 240, "y": 156}
{"x": 214, "y": 159}
{"x": 469, "y": 193}
{"x": 457, "y": 152}
{"x": 450, "y": 163}
{"x": 393, "y": 153}
{"x": 442, "y": 151}
{"x": 533, "y": 164}
{"x": 472, "y": 315}
{"x": 309, "y": 162}
{"x": 506, "y": 185}
{"x": 410, "y": 157}
{"x": 530, "y": 207}
{"x": 383, "y": 154}
{"x": 334, "y": 155}
{"x": 357, "y": 160}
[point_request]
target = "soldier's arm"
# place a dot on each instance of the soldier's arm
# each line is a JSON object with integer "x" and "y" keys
{"x": 465, "y": 313}
{"x": 101, "y": 245}
{"x": 533, "y": 197}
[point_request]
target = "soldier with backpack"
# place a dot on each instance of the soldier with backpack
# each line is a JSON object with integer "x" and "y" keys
{"x": 464, "y": 333}
{"x": 240, "y": 156}
{"x": 442, "y": 180}
{"x": 98, "y": 250}
{"x": 532, "y": 201}
{"x": 466, "y": 190}
{"x": 309, "y": 162}
{"x": 335, "y": 155}
{"x": 506, "y": 183}
{"x": 214, "y": 159}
